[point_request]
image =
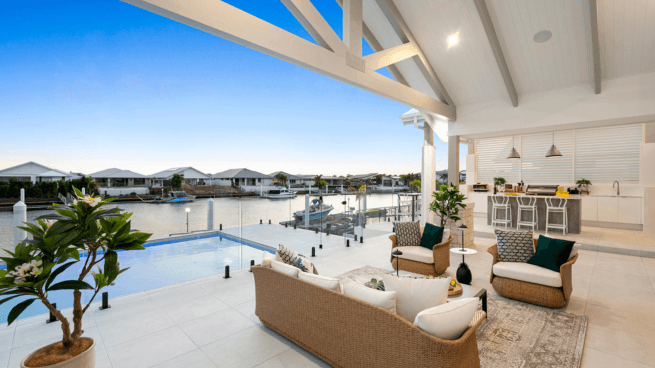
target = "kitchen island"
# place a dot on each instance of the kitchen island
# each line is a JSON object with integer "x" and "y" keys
{"x": 573, "y": 210}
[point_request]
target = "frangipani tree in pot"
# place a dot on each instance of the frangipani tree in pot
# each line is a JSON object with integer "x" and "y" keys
{"x": 447, "y": 203}
{"x": 58, "y": 242}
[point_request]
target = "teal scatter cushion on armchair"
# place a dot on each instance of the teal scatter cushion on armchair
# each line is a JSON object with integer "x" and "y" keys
{"x": 432, "y": 235}
{"x": 551, "y": 253}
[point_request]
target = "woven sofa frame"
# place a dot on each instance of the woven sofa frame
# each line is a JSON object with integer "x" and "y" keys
{"x": 346, "y": 332}
{"x": 440, "y": 253}
{"x": 546, "y": 296}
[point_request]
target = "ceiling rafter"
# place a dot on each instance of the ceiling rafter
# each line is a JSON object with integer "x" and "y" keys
{"x": 226, "y": 21}
{"x": 317, "y": 27}
{"x": 595, "y": 47}
{"x": 489, "y": 29}
{"x": 391, "y": 56}
{"x": 401, "y": 28}
{"x": 352, "y": 26}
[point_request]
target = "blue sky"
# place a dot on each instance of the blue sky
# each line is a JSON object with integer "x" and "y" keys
{"x": 88, "y": 85}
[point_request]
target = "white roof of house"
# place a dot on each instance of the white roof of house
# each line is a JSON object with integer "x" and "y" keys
{"x": 32, "y": 168}
{"x": 240, "y": 174}
{"x": 115, "y": 173}
{"x": 178, "y": 170}
{"x": 289, "y": 176}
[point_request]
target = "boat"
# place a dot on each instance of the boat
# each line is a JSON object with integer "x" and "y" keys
{"x": 173, "y": 197}
{"x": 281, "y": 193}
{"x": 316, "y": 211}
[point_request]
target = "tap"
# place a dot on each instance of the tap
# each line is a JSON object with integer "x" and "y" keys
{"x": 618, "y": 187}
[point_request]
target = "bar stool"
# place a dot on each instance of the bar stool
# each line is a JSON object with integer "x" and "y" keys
{"x": 557, "y": 205}
{"x": 527, "y": 204}
{"x": 501, "y": 203}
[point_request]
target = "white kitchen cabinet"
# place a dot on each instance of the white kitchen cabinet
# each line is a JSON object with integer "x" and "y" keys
{"x": 608, "y": 209}
{"x": 630, "y": 210}
{"x": 589, "y": 208}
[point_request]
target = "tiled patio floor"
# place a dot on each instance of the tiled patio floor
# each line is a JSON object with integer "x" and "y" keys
{"x": 210, "y": 322}
{"x": 628, "y": 242}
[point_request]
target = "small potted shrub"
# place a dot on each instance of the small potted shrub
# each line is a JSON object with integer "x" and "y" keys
{"x": 584, "y": 184}
{"x": 498, "y": 182}
{"x": 447, "y": 203}
{"x": 83, "y": 226}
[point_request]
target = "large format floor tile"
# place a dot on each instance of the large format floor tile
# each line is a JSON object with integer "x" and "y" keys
{"x": 246, "y": 349}
{"x": 151, "y": 349}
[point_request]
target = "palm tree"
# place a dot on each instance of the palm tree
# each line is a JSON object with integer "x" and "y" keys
{"x": 443, "y": 178}
{"x": 317, "y": 180}
{"x": 281, "y": 179}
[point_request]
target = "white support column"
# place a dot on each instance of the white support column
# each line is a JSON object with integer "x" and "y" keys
{"x": 22, "y": 195}
{"x": 428, "y": 174}
{"x": 306, "y": 210}
{"x": 20, "y": 218}
{"x": 453, "y": 160}
{"x": 210, "y": 214}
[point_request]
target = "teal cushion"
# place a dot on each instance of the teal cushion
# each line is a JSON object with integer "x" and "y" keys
{"x": 551, "y": 253}
{"x": 432, "y": 235}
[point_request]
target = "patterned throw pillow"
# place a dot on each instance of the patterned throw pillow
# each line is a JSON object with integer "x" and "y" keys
{"x": 514, "y": 246}
{"x": 407, "y": 233}
{"x": 285, "y": 255}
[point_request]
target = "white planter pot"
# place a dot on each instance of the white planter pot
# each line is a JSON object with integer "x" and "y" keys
{"x": 85, "y": 360}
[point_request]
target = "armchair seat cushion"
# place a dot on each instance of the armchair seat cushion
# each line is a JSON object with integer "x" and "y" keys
{"x": 418, "y": 254}
{"x": 528, "y": 273}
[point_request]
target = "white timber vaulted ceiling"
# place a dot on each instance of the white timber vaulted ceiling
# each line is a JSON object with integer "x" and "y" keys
{"x": 497, "y": 60}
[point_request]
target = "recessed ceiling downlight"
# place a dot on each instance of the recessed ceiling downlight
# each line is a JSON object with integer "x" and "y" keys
{"x": 542, "y": 36}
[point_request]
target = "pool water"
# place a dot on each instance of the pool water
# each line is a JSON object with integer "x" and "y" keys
{"x": 160, "y": 264}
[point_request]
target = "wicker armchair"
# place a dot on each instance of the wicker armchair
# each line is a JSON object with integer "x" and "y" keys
{"x": 440, "y": 252}
{"x": 545, "y": 296}
{"x": 347, "y": 332}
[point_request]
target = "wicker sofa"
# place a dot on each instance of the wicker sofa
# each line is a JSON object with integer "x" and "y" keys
{"x": 440, "y": 258}
{"x": 533, "y": 293}
{"x": 346, "y": 332}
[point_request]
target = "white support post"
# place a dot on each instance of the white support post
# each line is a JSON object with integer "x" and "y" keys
{"x": 210, "y": 214}
{"x": 22, "y": 195}
{"x": 428, "y": 173}
{"x": 307, "y": 210}
{"x": 453, "y": 160}
{"x": 352, "y": 26}
{"x": 83, "y": 191}
{"x": 20, "y": 218}
{"x": 261, "y": 190}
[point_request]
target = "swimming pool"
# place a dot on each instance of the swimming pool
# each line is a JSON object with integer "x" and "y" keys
{"x": 164, "y": 262}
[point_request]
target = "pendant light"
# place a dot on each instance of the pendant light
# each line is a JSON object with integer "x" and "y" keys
{"x": 553, "y": 151}
{"x": 513, "y": 153}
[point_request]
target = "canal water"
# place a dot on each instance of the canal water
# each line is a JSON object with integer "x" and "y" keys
{"x": 164, "y": 219}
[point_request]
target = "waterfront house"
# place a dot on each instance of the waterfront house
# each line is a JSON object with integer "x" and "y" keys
{"x": 292, "y": 180}
{"x": 245, "y": 179}
{"x": 35, "y": 172}
{"x": 116, "y": 182}
{"x": 190, "y": 175}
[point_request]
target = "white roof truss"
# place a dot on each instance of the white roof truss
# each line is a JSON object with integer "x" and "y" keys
{"x": 331, "y": 57}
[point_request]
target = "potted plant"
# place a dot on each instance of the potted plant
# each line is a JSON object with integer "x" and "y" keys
{"x": 498, "y": 182}
{"x": 37, "y": 267}
{"x": 447, "y": 203}
{"x": 584, "y": 184}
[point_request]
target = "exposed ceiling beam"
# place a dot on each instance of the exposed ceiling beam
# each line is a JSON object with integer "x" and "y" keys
{"x": 401, "y": 28}
{"x": 228, "y": 22}
{"x": 595, "y": 48}
{"x": 390, "y": 56}
{"x": 488, "y": 25}
{"x": 375, "y": 45}
{"x": 305, "y": 12}
{"x": 352, "y": 26}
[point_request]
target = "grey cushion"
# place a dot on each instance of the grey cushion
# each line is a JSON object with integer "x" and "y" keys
{"x": 407, "y": 233}
{"x": 514, "y": 246}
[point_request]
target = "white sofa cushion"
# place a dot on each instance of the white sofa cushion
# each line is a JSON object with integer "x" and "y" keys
{"x": 447, "y": 321}
{"x": 267, "y": 258}
{"x": 574, "y": 250}
{"x": 417, "y": 253}
{"x": 528, "y": 273}
{"x": 284, "y": 268}
{"x": 383, "y": 299}
{"x": 415, "y": 295}
{"x": 322, "y": 281}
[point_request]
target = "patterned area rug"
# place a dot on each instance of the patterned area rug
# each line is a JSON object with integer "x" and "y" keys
{"x": 519, "y": 335}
